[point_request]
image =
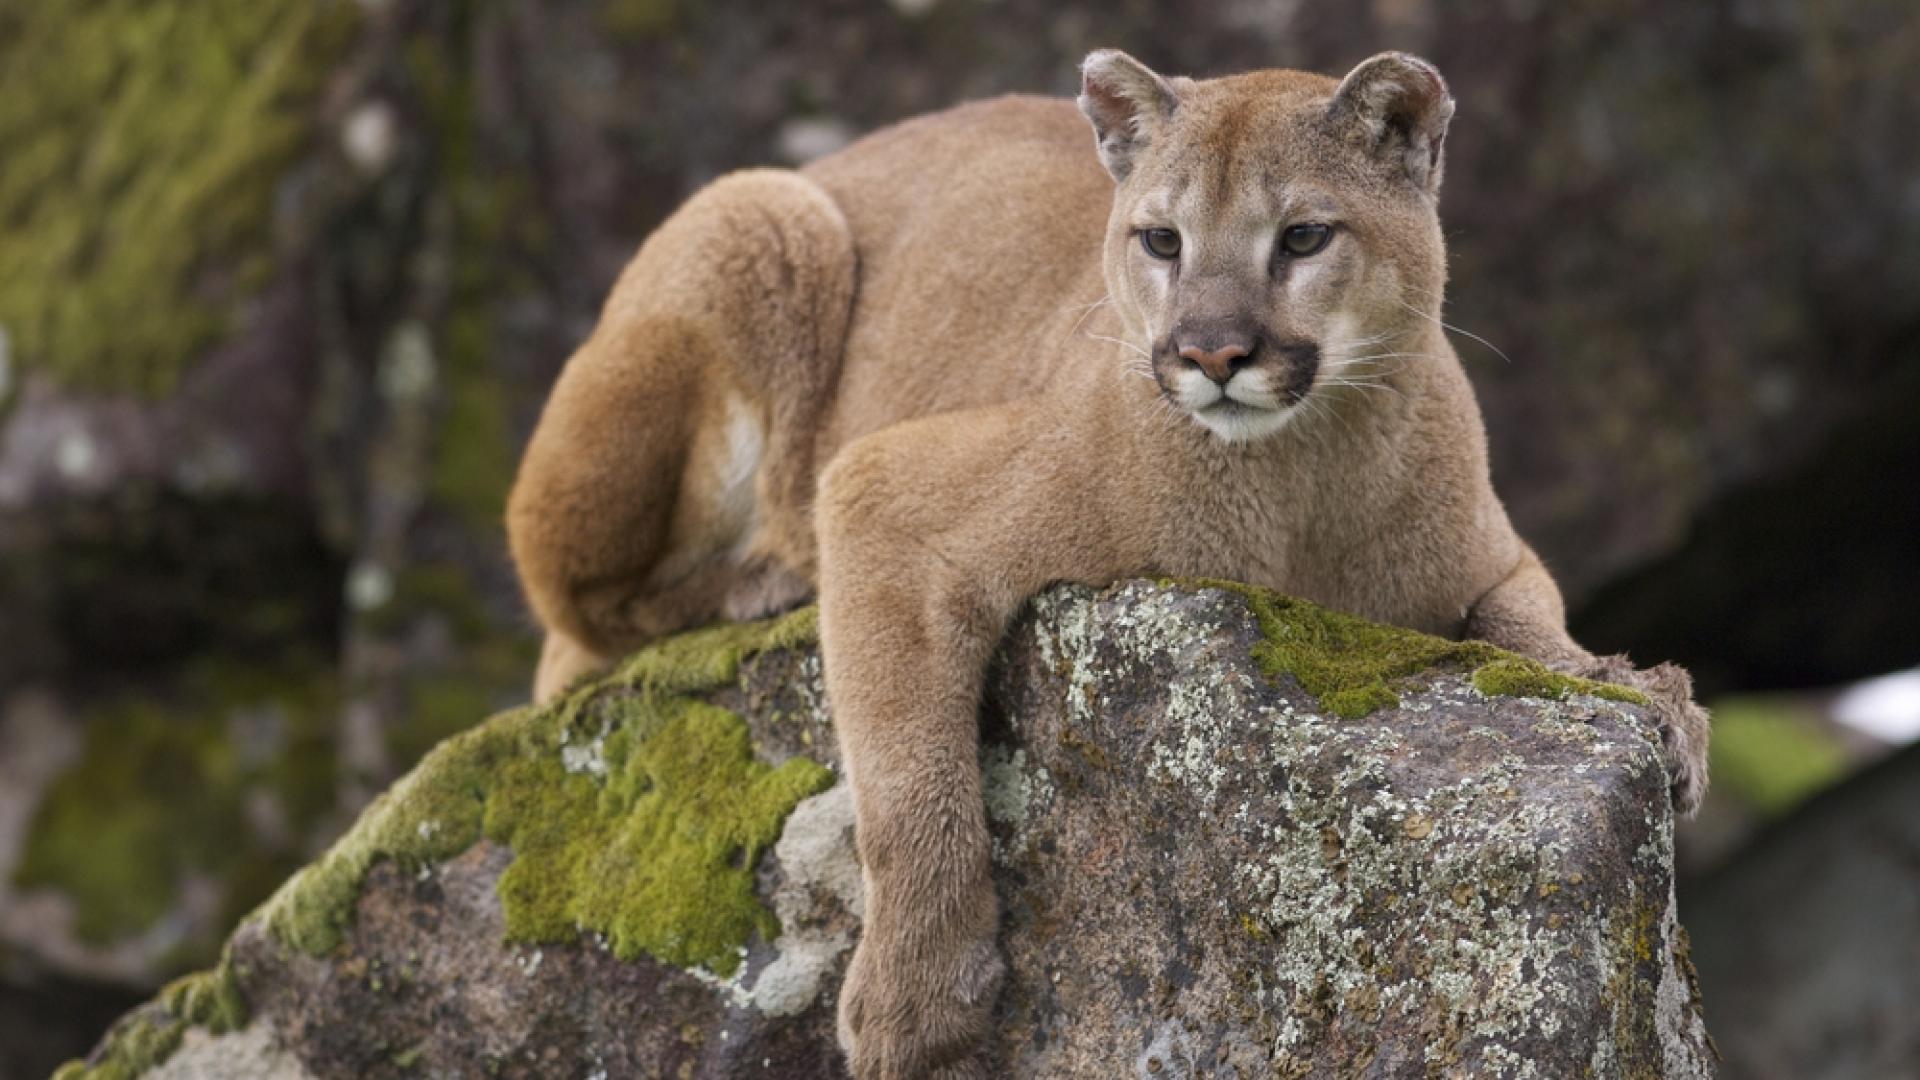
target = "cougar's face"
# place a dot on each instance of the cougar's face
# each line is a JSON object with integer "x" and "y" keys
{"x": 1260, "y": 260}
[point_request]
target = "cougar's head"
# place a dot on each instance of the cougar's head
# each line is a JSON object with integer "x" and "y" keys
{"x": 1273, "y": 234}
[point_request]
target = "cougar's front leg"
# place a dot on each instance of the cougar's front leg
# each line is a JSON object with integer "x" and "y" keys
{"x": 931, "y": 536}
{"x": 1524, "y": 613}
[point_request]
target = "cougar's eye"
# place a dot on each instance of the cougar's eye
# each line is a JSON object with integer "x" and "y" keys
{"x": 1301, "y": 241}
{"x": 1161, "y": 243}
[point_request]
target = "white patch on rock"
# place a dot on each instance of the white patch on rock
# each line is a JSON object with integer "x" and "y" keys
{"x": 253, "y": 1051}
{"x": 407, "y": 368}
{"x": 1168, "y": 1055}
{"x": 1005, "y": 785}
{"x": 809, "y": 137}
{"x": 792, "y": 982}
{"x": 589, "y": 757}
{"x": 817, "y": 862}
{"x": 369, "y": 586}
{"x": 370, "y": 136}
{"x": 1014, "y": 792}
{"x": 76, "y": 456}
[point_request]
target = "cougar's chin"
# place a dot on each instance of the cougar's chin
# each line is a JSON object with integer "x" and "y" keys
{"x": 1238, "y": 422}
{"x": 1246, "y": 410}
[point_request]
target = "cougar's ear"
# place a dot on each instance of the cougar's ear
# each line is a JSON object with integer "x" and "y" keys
{"x": 1128, "y": 104}
{"x": 1397, "y": 107}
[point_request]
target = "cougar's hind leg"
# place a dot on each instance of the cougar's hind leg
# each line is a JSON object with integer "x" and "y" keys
{"x": 563, "y": 662}
{"x": 800, "y": 305}
{"x": 669, "y": 481}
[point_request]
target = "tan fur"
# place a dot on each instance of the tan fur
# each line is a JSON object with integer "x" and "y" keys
{"x": 955, "y": 317}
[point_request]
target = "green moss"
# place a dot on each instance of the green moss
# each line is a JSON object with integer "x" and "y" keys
{"x": 208, "y": 999}
{"x": 650, "y": 838}
{"x": 143, "y": 141}
{"x": 158, "y": 794}
{"x": 133, "y": 1048}
{"x": 1352, "y": 665}
{"x": 641, "y": 19}
{"x": 1771, "y": 754}
{"x": 146, "y": 1038}
{"x": 495, "y": 237}
{"x": 1360, "y": 700}
{"x": 657, "y": 858}
{"x": 474, "y": 448}
{"x": 711, "y": 657}
{"x": 1517, "y": 676}
{"x": 430, "y": 814}
{"x": 439, "y": 588}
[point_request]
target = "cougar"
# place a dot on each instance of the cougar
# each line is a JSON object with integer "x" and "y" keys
{"x": 977, "y": 353}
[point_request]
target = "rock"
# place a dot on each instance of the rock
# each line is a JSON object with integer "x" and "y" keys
{"x": 1807, "y": 940}
{"x": 1234, "y": 835}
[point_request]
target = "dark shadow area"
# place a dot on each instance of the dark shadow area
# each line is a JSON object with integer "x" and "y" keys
{"x": 1808, "y": 578}
{"x": 127, "y": 586}
{"x": 1806, "y": 941}
{"x": 47, "y": 1020}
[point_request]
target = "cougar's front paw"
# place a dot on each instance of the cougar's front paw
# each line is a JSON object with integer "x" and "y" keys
{"x": 905, "y": 1015}
{"x": 1683, "y": 725}
{"x": 1683, "y": 732}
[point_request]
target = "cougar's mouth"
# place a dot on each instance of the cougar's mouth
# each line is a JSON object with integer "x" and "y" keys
{"x": 1236, "y": 420}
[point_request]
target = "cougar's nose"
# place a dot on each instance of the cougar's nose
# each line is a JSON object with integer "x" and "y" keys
{"x": 1220, "y": 363}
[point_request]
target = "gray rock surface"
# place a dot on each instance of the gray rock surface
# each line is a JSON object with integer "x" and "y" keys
{"x": 1809, "y": 943}
{"x": 1203, "y": 873}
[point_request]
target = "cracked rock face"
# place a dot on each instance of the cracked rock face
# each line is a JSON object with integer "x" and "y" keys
{"x": 1201, "y": 872}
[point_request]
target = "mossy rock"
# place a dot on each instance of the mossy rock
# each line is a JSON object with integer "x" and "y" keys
{"x": 1187, "y": 838}
{"x": 1352, "y": 665}
{"x": 144, "y": 142}
{"x": 636, "y": 815}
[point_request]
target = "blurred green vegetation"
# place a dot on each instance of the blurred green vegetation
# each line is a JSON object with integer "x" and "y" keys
{"x": 221, "y": 776}
{"x": 1771, "y": 752}
{"x": 143, "y": 144}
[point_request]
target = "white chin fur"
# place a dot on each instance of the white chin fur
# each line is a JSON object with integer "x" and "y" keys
{"x": 1243, "y": 424}
{"x": 1255, "y": 416}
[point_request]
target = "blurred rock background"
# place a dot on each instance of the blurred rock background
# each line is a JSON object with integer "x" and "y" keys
{"x": 283, "y": 282}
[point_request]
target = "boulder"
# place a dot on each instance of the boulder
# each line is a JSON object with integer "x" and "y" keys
{"x": 1808, "y": 938}
{"x": 1234, "y": 835}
